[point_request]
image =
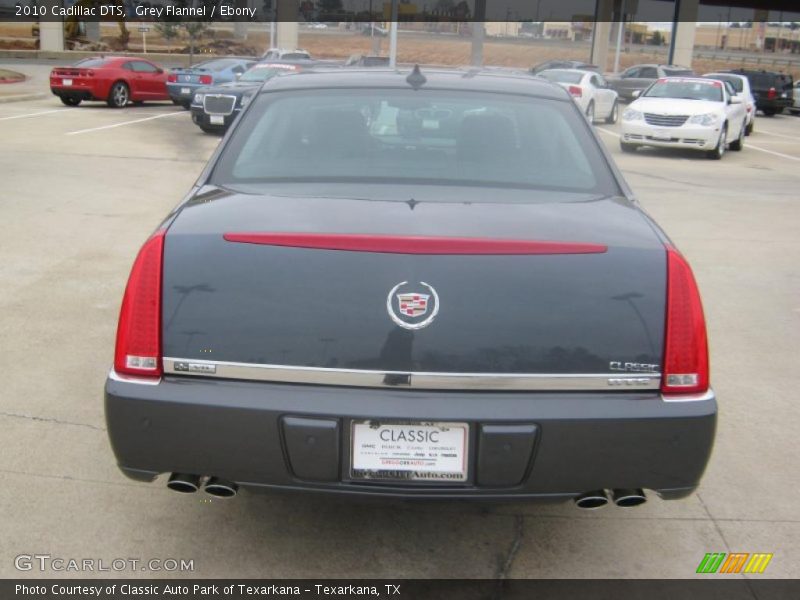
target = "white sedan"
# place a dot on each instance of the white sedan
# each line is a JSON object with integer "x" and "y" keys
{"x": 686, "y": 112}
{"x": 589, "y": 90}
{"x": 741, "y": 84}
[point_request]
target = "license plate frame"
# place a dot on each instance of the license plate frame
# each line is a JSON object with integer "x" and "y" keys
{"x": 376, "y": 455}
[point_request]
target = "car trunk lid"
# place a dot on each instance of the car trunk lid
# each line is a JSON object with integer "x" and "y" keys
{"x": 572, "y": 285}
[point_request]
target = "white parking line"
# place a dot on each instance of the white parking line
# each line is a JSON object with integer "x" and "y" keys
{"x": 794, "y": 138}
{"x": 781, "y": 154}
{"x": 608, "y": 131}
{"x": 169, "y": 114}
{"x": 45, "y": 112}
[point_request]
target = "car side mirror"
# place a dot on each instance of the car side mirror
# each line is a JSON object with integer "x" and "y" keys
{"x": 636, "y": 93}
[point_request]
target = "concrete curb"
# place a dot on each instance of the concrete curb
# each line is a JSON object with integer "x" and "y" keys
{"x": 22, "y": 97}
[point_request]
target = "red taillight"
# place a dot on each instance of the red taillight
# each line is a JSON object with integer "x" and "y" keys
{"x": 575, "y": 91}
{"x": 772, "y": 93}
{"x": 205, "y": 79}
{"x": 172, "y": 78}
{"x": 685, "y": 347}
{"x": 138, "y": 349}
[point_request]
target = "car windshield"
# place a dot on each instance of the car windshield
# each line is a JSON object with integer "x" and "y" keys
{"x": 687, "y": 89}
{"x": 264, "y": 72}
{"x": 736, "y": 82}
{"x": 562, "y": 76}
{"x": 426, "y": 137}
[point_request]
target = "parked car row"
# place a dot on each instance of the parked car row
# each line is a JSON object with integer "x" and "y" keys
{"x": 216, "y": 90}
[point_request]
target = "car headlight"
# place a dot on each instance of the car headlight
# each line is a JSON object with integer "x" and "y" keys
{"x": 632, "y": 115}
{"x": 705, "y": 120}
{"x": 198, "y": 98}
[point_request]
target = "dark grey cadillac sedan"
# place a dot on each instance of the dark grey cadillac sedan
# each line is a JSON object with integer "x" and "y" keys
{"x": 426, "y": 284}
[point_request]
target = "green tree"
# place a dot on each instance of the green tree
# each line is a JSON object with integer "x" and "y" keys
{"x": 657, "y": 39}
{"x": 168, "y": 31}
{"x": 195, "y": 31}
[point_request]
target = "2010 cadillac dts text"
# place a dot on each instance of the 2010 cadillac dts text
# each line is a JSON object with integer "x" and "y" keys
{"x": 425, "y": 284}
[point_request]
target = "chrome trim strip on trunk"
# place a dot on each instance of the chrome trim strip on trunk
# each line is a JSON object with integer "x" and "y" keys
{"x": 412, "y": 380}
{"x": 114, "y": 376}
{"x": 707, "y": 395}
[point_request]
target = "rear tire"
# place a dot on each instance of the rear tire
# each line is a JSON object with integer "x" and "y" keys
{"x": 769, "y": 112}
{"x": 739, "y": 143}
{"x": 211, "y": 131}
{"x": 590, "y": 112}
{"x": 627, "y": 148}
{"x": 718, "y": 152}
{"x": 119, "y": 95}
{"x": 614, "y": 114}
{"x": 185, "y": 105}
{"x": 70, "y": 101}
{"x": 749, "y": 129}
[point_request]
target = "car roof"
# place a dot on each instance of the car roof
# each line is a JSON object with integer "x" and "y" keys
{"x": 114, "y": 58}
{"x": 436, "y": 78}
{"x": 663, "y": 66}
{"x": 572, "y": 70}
{"x": 689, "y": 77}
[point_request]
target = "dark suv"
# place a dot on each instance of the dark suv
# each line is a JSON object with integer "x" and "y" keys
{"x": 772, "y": 91}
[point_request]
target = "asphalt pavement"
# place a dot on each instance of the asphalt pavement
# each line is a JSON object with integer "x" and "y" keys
{"x": 82, "y": 188}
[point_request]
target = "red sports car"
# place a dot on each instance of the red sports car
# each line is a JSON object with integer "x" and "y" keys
{"x": 115, "y": 79}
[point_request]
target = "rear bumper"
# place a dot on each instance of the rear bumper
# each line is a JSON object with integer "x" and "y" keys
{"x": 176, "y": 93}
{"x": 71, "y": 92}
{"x": 297, "y": 437}
{"x": 776, "y": 104}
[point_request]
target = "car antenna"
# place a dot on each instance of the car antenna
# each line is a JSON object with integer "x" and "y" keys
{"x": 416, "y": 79}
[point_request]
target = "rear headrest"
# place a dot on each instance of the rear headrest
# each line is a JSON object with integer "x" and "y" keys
{"x": 339, "y": 133}
{"x": 486, "y": 137}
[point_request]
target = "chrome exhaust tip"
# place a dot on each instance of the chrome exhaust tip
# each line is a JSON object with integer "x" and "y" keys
{"x": 221, "y": 488}
{"x": 626, "y": 498}
{"x": 592, "y": 500}
{"x": 184, "y": 483}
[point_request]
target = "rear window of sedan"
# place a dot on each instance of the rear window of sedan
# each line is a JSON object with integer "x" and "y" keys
{"x": 562, "y": 76}
{"x": 92, "y": 63}
{"x": 403, "y": 136}
{"x": 736, "y": 82}
{"x": 216, "y": 64}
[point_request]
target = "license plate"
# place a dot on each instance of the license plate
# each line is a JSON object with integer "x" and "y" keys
{"x": 185, "y": 90}
{"x": 216, "y": 119}
{"x": 66, "y": 81}
{"x": 662, "y": 135}
{"x": 422, "y": 451}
